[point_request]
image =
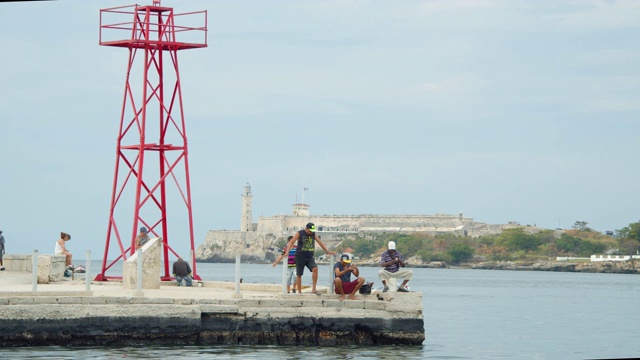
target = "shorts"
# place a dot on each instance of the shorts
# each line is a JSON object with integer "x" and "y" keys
{"x": 304, "y": 259}
{"x": 348, "y": 287}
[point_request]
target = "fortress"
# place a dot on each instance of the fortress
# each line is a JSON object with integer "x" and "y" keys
{"x": 254, "y": 240}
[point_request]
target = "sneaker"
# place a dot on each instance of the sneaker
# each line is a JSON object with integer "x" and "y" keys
{"x": 2, "y": 268}
{"x": 294, "y": 291}
{"x": 386, "y": 288}
{"x": 402, "y": 289}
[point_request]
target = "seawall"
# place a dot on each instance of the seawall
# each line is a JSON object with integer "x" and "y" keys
{"x": 64, "y": 314}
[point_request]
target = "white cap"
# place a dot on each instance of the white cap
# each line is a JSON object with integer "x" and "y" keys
{"x": 392, "y": 245}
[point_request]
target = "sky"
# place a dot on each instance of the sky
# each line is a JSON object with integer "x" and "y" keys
{"x": 523, "y": 111}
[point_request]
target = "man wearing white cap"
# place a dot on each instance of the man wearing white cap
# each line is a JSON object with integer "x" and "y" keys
{"x": 391, "y": 260}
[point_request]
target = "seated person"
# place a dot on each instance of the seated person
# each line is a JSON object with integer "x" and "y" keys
{"x": 142, "y": 238}
{"x": 392, "y": 260}
{"x": 182, "y": 271}
{"x": 61, "y": 249}
{"x": 342, "y": 282}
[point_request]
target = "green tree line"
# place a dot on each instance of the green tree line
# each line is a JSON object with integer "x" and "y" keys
{"x": 510, "y": 244}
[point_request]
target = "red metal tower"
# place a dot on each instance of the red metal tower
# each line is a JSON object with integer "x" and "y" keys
{"x": 152, "y": 126}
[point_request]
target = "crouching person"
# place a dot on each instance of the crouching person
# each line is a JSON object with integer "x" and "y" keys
{"x": 182, "y": 271}
{"x": 392, "y": 261}
{"x": 342, "y": 282}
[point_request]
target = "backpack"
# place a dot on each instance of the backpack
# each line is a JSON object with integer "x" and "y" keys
{"x": 366, "y": 288}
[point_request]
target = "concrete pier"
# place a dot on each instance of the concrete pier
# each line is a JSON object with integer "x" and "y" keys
{"x": 64, "y": 313}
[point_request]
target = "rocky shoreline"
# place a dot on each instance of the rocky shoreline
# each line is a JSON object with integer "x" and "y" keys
{"x": 607, "y": 267}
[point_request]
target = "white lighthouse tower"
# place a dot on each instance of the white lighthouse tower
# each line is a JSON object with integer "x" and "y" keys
{"x": 246, "y": 219}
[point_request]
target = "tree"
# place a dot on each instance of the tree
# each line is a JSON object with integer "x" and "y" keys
{"x": 581, "y": 225}
{"x": 516, "y": 239}
{"x": 630, "y": 246}
{"x": 460, "y": 251}
{"x": 632, "y": 231}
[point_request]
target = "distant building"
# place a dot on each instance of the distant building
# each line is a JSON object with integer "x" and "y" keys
{"x": 254, "y": 239}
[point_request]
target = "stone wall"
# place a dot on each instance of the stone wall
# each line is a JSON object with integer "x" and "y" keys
{"x": 50, "y": 267}
{"x": 194, "y": 319}
{"x": 151, "y": 261}
{"x": 224, "y": 245}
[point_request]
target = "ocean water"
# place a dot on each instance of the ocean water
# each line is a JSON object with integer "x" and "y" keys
{"x": 468, "y": 314}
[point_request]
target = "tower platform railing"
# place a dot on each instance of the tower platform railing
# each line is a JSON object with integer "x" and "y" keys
{"x": 119, "y": 30}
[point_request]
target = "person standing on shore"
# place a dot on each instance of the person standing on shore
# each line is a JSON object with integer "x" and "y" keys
{"x": 1, "y": 250}
{"x": 392, "y": 260}
{"x": 291, "y": 265}
{"x": 61, "y": 248}
{"x": 305, "y": 249}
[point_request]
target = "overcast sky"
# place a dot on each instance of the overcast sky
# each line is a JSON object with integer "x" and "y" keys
{"x": 522, "y": 111}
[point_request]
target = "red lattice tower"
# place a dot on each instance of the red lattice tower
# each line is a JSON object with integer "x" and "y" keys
{"x": 152, "y": 127}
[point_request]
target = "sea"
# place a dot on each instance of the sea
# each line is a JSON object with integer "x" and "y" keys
{"x": 468, "y": 314}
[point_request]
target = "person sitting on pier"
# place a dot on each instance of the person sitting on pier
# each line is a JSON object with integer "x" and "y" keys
{"x": 291, "y": 265}
{"x": 142, "y": 238}
{"x": 61, "y": 249}
{"x": 182, "y": 271}
{"x": 342, "y": 282}
{"x": 392, "y": 260}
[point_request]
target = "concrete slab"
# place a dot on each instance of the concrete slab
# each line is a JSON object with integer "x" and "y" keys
{"x": 262, "y": 315}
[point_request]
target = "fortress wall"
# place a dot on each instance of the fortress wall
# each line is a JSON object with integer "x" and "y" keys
{"x": 271, "y": 224}
{"x": 221, "y": 245}
{"x": 286, "y": 224}
{"x": 425, "y": 222}
{"x": 480, "y": 229}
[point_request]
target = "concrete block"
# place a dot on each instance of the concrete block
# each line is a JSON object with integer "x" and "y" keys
{"x": 219, "y": 309}
{"x": 229, "y": 302}
{"x": 375, "y": 305}
{"x": 73, "y": 299}
{"x": 249, "y": 303}
{"x": 17, "y": 262}
{"x": 118, "y": 301}
{"x": 98, "y": 300}
{"x": 139, "y": 300}
{"x": 206, "y": 301}
{"x": 184, "y": 301}
{"x": 21, "y": 301}
{"x": 354, "y": 304}
{"x": 332, "y": 303}
{"x": 50, "y": 267}
{"x": 161, "y": 301}
{"x": 292, "y": 303}
{"x": 281, "y": 302}
{"x": 151, "y": 264}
